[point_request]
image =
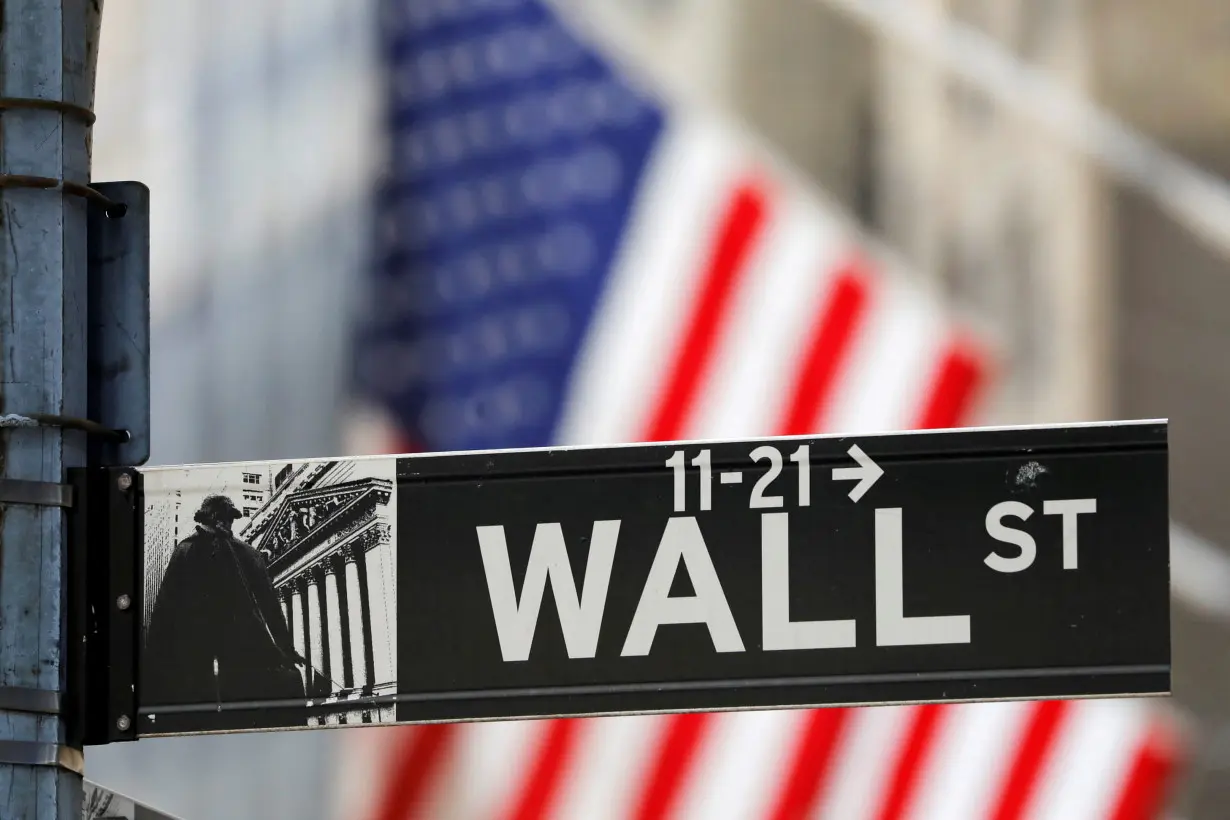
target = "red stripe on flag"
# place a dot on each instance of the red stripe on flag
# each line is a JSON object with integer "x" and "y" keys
{"x": 906, "y": 774}
{"x": 541, "y": 788}
{"x": 671, "y": 765}
{"x": 1147, "y": 785}
{"x": 844, "y": 308}
{"x": 1045, "y": 719}
{"x": 812, "y": 761}
{"x": 957, "y": 381}
{"x": 417, "y": 762}
{"x": 741, "y": 224}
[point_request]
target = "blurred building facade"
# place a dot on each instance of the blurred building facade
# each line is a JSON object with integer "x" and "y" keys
{"x": 251, "y": 124}
{"x": 254, "y": 125}
{"x": 1165, "y": 69}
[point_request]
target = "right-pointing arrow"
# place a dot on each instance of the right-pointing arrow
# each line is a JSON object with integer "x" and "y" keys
{"x": 867, "y": 473}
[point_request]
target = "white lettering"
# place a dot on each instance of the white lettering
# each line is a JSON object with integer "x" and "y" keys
{"x": 1070, "y": 508}
{"x": 682, "y": 539}
{"x": 580, "y": 619}
{"x": 778, "y": 630}
{"x": 892, "y": 627}
{"x": 997, "y": 530}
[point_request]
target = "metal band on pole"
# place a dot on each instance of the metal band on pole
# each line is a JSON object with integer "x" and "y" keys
{"x": 32, "y": 701}
{"x": 34, "y": 104}
{"x": 114, "y": 209}
{"x": 33, "y": 753}
{"x": 90, "y": 428}
{"x": 35, "y": 493}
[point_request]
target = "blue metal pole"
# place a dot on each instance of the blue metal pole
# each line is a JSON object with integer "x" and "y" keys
{"x": 48, "y": 52}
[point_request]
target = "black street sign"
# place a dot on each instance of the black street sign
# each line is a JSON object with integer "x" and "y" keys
{"x": 99, "y": 803}
{"x": 806, "y": 571}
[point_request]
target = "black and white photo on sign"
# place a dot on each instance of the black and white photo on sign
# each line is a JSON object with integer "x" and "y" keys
{"x": 271, "y": 582}
{"x": 98, "y": 803}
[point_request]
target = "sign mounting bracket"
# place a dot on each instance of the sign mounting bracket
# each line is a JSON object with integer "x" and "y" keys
{"x": 118, "y": 324}
{"x": 104, "y": 576}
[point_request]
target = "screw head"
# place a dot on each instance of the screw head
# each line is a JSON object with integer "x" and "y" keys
{"x": 123, "y": 602}
{"x": 123, "y": 723}
{"x": 124, "y": 482}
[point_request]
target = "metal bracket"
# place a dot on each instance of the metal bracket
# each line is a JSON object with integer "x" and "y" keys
{"x": 37, "y": 493}
{"x": 118, "y": 320}
{"x": 104, "y": 569}
{"x": 34, "y": 753}
{"x": 27, "y": 699}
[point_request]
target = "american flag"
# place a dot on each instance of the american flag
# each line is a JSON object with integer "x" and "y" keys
{"x": 562, "y": 258}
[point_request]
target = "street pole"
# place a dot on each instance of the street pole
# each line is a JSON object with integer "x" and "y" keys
{"x": 48, "y": 54}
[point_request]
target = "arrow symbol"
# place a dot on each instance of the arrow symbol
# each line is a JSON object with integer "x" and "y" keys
{"x": 867, "y": 473}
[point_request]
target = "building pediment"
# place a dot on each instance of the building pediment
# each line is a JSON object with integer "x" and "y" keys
{"x": 311, "y": 516}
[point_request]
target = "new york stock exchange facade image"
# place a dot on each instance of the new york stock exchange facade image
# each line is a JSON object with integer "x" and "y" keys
{"x": 332, "y": 552}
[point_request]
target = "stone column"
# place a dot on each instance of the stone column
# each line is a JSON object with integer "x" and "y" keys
{"x": 360, "y": 617}
{"x": 326, "y": 665}
{"x": 333, "y": 622}
{"x": 298, "y": 616}
{"x": 314, "y": 626}
{"x": 343, "y": 619}
{"x": 382, "y": 616}
{"x": 284, "y": 596}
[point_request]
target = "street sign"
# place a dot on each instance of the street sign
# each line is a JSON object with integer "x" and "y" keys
{"x": 99, "y": 803}
{"x": 787, "y": 572}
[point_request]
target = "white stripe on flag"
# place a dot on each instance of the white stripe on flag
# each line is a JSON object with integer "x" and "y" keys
{"x": 369, "y": 430}
{"x": 895, "y": 354}
{"x": 650, "y": 289}
{"x": 1091, "y": 761}
{"x": 759, "y": 350}
{"x": 491, "y": 766}
{"x": 865, "y": 759}
{"x": 612, "y": 758}
{"x": 364, "y": 765}
{"x": 740, "y": 765}
{"x": 973, "y": 753}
